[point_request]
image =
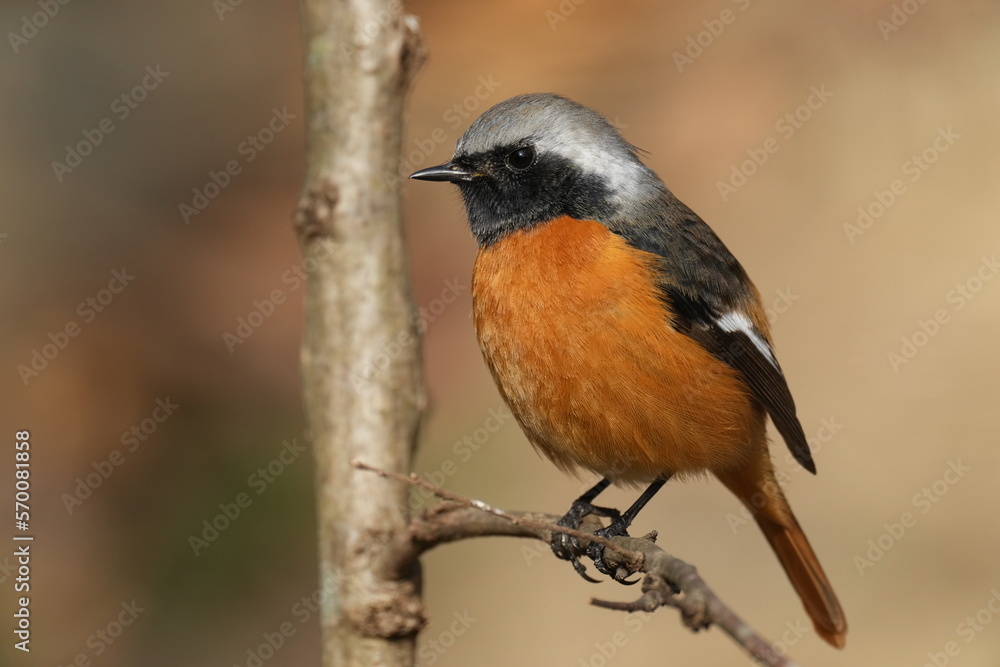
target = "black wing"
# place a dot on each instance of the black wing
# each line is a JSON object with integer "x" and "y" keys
{"x": 758, "y": 366}
{"x": 709, "y": 293}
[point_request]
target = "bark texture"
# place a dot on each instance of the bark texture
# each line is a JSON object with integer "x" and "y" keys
{"x": 360, "y": 358}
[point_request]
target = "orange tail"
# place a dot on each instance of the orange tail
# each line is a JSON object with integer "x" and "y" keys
{"x": 769, "y": 507}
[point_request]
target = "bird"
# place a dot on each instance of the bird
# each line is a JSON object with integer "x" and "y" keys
{"x": 625, "y": 337}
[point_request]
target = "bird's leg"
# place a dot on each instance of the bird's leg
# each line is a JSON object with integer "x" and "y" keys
{"x": 567, "y": 547}
{"x": 620, "y": 526}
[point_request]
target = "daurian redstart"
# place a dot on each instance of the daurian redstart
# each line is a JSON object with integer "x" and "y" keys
{"x": 624, "y": 335}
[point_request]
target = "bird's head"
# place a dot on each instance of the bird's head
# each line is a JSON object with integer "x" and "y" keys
{"x": 534, "y": 158}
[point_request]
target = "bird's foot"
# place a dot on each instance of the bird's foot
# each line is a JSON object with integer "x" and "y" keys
{"x": 595, "y": 551}
{"x": 568, "y": 547}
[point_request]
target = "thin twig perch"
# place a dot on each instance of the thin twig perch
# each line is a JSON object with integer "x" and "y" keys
{"x": 669, "y": 581}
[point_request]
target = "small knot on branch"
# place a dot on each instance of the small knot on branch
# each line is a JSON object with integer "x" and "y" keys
{"x": 314, "y": 211}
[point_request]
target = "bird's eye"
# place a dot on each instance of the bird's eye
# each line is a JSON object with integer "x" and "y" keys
{"x": 521, "y": 158}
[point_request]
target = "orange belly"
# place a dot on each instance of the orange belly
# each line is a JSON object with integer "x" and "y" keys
{"x": 582, "y": 349}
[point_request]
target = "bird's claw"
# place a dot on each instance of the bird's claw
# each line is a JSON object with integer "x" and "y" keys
{"x": 581, "y": 569}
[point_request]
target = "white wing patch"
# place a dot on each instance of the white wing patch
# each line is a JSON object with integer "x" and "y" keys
{"x": 736, "y": 321}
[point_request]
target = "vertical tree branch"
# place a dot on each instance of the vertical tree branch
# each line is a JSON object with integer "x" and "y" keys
{"x": 360, "y": 357}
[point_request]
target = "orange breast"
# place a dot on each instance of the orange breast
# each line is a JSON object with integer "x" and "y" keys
{"x": 582, "y": 349}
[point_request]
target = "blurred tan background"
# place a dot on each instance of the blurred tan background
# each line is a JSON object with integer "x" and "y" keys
{"x": 903, "y": 512}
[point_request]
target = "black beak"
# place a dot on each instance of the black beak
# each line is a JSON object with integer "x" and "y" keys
{"x": 449, "y": 172}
